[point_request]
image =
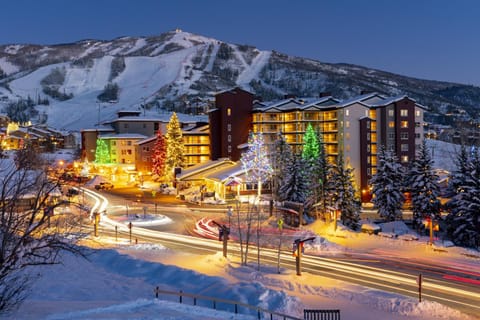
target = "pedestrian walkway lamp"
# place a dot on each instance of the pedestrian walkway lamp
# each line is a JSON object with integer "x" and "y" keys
{"x": 297, "y": 252}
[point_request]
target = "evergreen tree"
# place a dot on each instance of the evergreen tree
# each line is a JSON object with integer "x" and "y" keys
{"x": 256, "y": 162}
{"x": 175, "y": 147}
{"x": 159, "y": 155}
{"x": 342, "y": 194}
{"x": 322, "y": 174}
{"x": 387, "y": 186}
{"x": 102, "y": 154}
{"x": 423, "y": 188}
{"x": 295, "y": 186}
{"x": 459, "y": 176}
{"x": 463, "y": 222}
{"x": 281, "y": 159}
{"x": 311, "y": 147}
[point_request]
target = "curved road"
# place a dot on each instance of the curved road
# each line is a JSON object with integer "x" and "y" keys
{"x": 454, "y": 287}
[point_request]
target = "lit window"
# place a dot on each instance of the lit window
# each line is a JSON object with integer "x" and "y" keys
{"x": 404, "y": 159}
{"x": 404, "y": 124}
{"x": 347, "y": 124}
{"x": 229, "y": 149}
{"x": 347, "y": 135}
{"x": 404, "y": 112}
{"x": 229, "y": 127}
{"x": 229, "y": 138}
{"x": 417, "y": 113}
{"x": 347, "y": 112}
{"x": 391, "y": 124}
{"x": 390, "y": 113}
{"x": 229, "y": 111}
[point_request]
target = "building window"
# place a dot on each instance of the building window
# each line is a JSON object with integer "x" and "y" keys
{"x": 368, "y": 124}
{"x": 417, "y": 135}
{"x": 347, "y": 147}
{"x": 368, "y": 136}
{"x": 391, "y": 124}
{"x": 114, "y": 151}
{"x": 404, "y": 124}
{"x": 404, "y": 136}
{"x": 390, "y": 113}
{"x": 229, "y": 149}
{"x": 368, "y": 148}
{"x": 229, "y": 127}
{"x": 347, "y": 112}
{"x": 404, "y": 113}
{"x": 114, "y": 143}
{"x": 404, "y": 159}
{"x": 229, "y": 138}
{"x": 404, "y": 147}
{"x": 391, "y": 135}
{"x": 417, "y": 113}
{"x": 229, "y": 111}
{"x": 144, "y": 125}
{"x": 347, "y": 124}
{"x": 125, "y": 125}
{"x": 347, "y": 135}
{"x": 155, "y": 126}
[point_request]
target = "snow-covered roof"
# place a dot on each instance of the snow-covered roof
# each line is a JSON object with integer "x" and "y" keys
{"x": 199, "y": 171}
{"x": 147, "y": 140}
{"x": 123, "y": 136}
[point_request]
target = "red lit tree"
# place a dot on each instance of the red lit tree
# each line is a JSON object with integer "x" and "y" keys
{"x": 159, "y": 155}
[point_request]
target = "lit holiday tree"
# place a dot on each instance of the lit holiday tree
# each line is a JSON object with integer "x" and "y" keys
{"x": 101, "y": 153}
{"x": 311, "y": 147}
{"x": 159, "y": 155}
{"x": 256, "y": 162}
{"x": 175, "y": 147}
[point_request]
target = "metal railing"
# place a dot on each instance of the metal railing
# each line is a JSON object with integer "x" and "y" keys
{"x": 236, "y": 306}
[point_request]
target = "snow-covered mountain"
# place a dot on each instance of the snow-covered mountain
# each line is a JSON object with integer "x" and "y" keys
{"x": 61, "y": 84}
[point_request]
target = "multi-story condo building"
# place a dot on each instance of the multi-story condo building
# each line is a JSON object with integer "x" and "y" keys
{"x": 230, "y": 123}
{"x": 354, "y": 127}
{"x": 196, "y": 143}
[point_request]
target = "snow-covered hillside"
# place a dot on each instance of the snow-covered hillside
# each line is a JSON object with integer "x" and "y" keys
{"x": 169, "y": 71}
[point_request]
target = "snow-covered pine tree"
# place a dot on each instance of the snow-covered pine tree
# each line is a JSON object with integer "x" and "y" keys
{"x": 463, "y": 222}
{"x": 387, "y": 186}
{"x": 296, "y": 184}
{"x": 256, "y": 161}
{"x": 175, "y": 146}
{"x": 159, "y": 155}
{"x": 458, "y": 177}
{"x": 421, "y": 182}
{"x": 281, "y": 159}
{"x": 342, "y": 194}
{"x": 101, "y": 152}
{"x": 322, "y": 170}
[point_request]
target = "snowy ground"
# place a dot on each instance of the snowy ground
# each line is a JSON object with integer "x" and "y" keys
{"x": 117, "y": 282}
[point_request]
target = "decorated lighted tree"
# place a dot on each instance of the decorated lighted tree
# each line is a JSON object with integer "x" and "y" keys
{"x": 311, "y": 147}
{"x": 101, "y": 153}
{"x": 255, "y": 161}
{"x": 159, "y": 155}
{"x": 175, "y": 147}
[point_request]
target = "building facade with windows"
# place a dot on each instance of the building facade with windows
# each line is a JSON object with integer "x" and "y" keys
{"x": 355, "y": 127}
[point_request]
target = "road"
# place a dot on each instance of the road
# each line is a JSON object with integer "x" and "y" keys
{"x": 454, "y": 287}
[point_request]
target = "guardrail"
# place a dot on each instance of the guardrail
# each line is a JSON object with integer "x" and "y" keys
{"x": 235, "y": 304}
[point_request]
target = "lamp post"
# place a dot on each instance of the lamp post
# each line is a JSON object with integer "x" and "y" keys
{"x": 297, "y": 252}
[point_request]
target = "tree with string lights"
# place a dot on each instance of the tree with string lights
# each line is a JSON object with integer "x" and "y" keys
{"x": 175, "y": 146}
{"x": 159, "y": 155}
{"x": 101, "y": 153}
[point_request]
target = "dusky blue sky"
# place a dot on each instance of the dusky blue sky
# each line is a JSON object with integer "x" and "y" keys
{"x": 429, "y": 39}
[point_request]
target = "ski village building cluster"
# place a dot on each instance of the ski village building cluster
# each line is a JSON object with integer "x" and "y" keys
{"x": 354, "y": 127}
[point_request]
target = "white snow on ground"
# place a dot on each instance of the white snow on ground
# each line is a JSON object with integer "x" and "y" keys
{"x": 118, "y": 279}
{"x": 7, "y": 67}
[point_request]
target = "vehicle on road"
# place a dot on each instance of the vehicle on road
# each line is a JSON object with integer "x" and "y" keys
{"x": 104, "y": 186}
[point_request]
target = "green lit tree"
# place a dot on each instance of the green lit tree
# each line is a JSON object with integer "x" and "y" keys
{"x": 175, "y": 146}
{"x": 101, "y": 153}
{"x": 311, "y": 147}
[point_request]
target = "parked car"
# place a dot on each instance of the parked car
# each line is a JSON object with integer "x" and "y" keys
{"x": 104, "y": 186}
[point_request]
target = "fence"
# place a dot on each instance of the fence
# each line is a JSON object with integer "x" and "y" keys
{"x": 310, "y": 314}
{"x": 237, "y": 306}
